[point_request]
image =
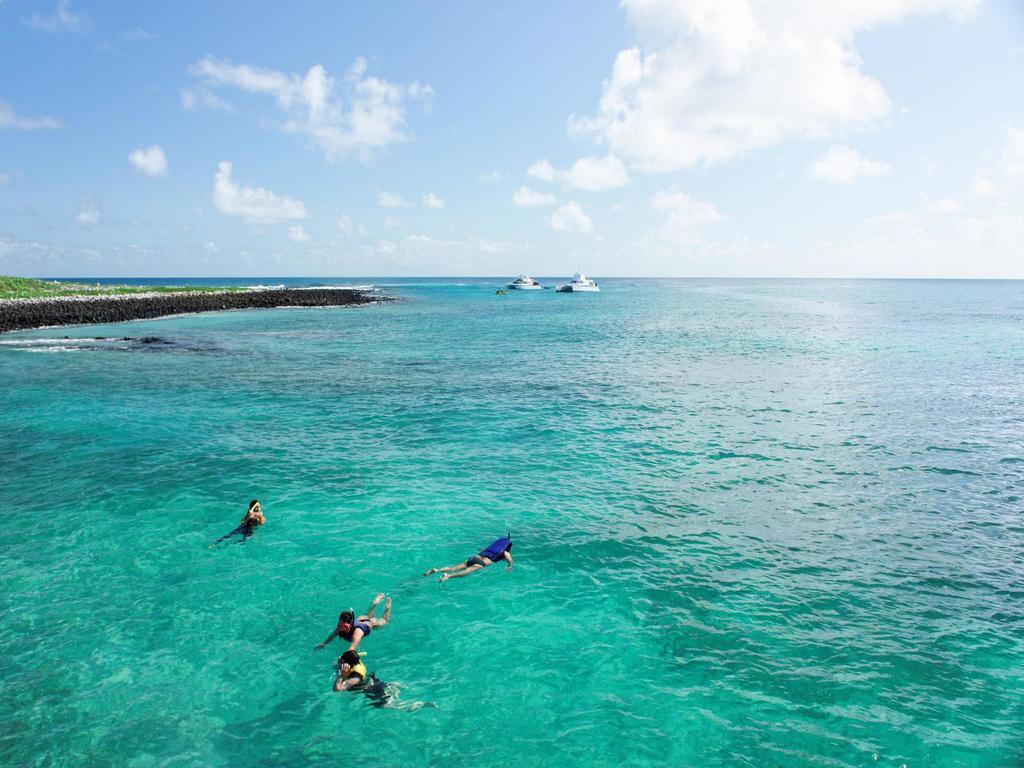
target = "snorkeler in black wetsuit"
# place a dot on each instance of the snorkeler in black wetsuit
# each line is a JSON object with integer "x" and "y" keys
{"x": 381, "y": 694}
{"x": 352, "y": 676}
{"x": 376, "y": 691}
{"x": 253, "y": 519}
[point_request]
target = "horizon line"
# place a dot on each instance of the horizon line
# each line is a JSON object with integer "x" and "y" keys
{"x": 507, "y": 277}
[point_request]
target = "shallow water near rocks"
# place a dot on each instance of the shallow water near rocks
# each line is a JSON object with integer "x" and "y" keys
{"x": 756, "y": 523}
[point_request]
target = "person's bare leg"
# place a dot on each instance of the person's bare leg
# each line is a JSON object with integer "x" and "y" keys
{"x": 446, "y": 569}
{"x": 459, "y": 574}
{"x": 383, "y": 621}
{"x": 373, "y": 606}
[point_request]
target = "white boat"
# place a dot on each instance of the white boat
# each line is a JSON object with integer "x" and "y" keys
{"x": 579, "y": 283}
{"x": 524, "y": 283}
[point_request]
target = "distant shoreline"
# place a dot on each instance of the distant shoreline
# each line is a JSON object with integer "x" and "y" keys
{"x": 22, "y": 314}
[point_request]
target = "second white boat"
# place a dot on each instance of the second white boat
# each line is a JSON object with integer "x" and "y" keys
{"x": 580, "y": 283}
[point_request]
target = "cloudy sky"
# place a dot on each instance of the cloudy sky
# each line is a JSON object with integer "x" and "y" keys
{"x": 649, "y": 137}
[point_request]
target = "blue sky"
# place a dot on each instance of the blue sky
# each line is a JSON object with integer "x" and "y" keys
{"x": 651, "y": 137}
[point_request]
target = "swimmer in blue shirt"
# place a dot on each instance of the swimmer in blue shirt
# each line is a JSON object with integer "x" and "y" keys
{"x": 500, "y": 549}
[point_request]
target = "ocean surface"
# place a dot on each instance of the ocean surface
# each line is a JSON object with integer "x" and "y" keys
{"x": 755, "y": 523}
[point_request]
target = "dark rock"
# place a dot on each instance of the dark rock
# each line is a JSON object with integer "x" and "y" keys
{"x": 20, "y": 315}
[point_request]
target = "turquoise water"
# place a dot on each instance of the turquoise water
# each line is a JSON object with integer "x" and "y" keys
{"x": 756, "y": 523}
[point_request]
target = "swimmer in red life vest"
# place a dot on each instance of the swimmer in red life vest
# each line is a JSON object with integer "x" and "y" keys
{"x": 500, "y": 549}
{"x": 354, "y": 629}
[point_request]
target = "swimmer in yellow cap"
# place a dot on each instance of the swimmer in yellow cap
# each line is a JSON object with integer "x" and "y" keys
{"x": 352, "y": 676}
{"x": 351, "y": 672}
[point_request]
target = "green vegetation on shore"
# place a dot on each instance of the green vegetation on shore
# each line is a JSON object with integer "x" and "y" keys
{"x": 31, "y": 288}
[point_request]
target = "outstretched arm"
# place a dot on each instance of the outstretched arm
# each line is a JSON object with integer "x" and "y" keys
{"x": 330, "y": 637}
{"x": 344, "y": 685}
{"x": 507, "y": 557}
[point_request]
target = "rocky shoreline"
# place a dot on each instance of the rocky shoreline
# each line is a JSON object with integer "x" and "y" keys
{"x": 23, "y": 314}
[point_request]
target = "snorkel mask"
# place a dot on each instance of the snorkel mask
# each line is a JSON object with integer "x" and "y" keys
{"x": 345, "y": 626}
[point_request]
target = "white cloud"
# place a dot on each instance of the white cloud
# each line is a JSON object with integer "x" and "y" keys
{"x": 685, "y": 218}
{"x": 1002, "y": 168}
{"x": 391, "y": 200}
{"x": 977, "y": 234}
{"x": 298, "y": 234}
{"x": 524, "y": 197}
{"x": 590, "y": 173}
{"x": 424, "y": 255}
{"x": 36, "y": 257}
{"x": 430, "y": 200}
{"x": 61, "y": 20}
{"x": 844, "y": 165}
{"x": 542, "y": 170}
{"x": 138, "y": 35}
{"x": 896, "y": 217}
{"x": 982, "y": 186}
{"x": 345, "y": 226}
{"x": 1011, "y": 161}
{"x": 355, "y": 116}
{"x": 712, "y": 79}
{"x": 571, "y": 218}
{"x": 596, "y": 173}
{"x": 984, "y": 245}
{"x": 10, "y": 119}
{"x": 191, "y": 98}
{"x": 88, "y": 212}
{"x": 254, "y": 204}
{"x": 151, "y": 161}
{"x": 942, "y": 205}
{"x": 491, "y": 178}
